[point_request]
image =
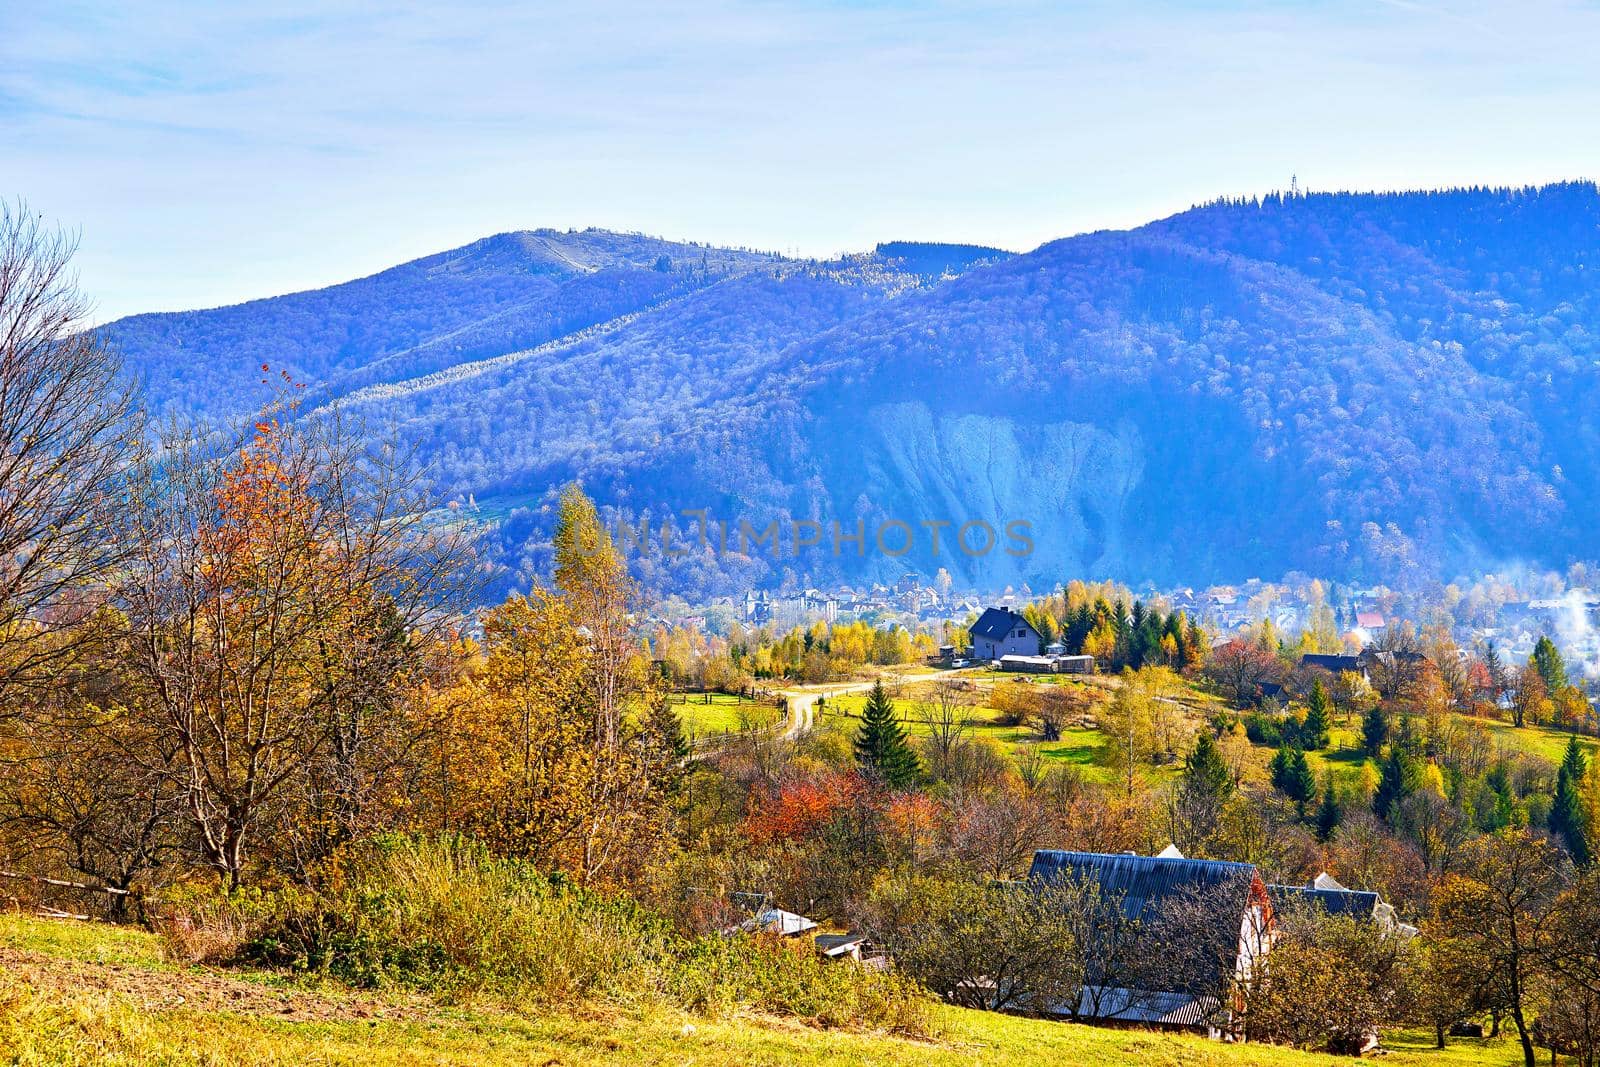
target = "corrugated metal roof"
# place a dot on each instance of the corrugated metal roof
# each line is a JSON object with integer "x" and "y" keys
{"x": 1148, "y": 1009}
{"x": 1336, "y": 664}
{"x": 1142, "y": 884}
{"x": 1141, "y": 881}
{"x": 1333, "y": 901}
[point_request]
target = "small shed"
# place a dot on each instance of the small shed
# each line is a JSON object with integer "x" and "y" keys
{"x": 1028, "y": 664}
{"x": 849, "y": 946}
{"x": 774, "y": 921}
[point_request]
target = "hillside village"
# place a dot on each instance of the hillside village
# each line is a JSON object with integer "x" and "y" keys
{"x": 1512, "y": 614}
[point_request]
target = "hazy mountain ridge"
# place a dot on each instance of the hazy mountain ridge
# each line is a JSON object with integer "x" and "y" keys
{"x": 500, "y": 294}
{"x": 1361, "y": 385}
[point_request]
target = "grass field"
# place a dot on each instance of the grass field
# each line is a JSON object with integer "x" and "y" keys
{"x": 1344, "y": 756}
{"x": 705, "y": 714}
{"x": 1085, "y": 749}
{"x": 100, "y": 995}
{"x": 1080, "y": 748}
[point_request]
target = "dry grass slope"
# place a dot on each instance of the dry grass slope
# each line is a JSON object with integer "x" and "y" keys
{"x": 96, "y": 995}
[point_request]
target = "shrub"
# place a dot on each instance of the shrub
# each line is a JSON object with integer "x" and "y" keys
{"x": 201, "y": 924}
{"x": 718, "y": 975}
{"x": 443, "y": 915}
{"x": 1263, "y": 730}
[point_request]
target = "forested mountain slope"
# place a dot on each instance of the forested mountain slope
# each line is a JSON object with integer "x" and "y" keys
{"x": 501, "y": 294}
{"x": 1364, "y": 386}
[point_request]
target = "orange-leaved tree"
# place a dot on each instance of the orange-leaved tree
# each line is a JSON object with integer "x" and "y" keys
{"x": 279, "y": 593}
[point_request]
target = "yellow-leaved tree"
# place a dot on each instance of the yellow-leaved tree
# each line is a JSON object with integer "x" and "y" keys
{"x": 557, "y": 744}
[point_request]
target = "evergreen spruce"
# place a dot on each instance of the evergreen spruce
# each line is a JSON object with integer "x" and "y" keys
{"x": 1398, "y": 779}
{"x": 1329, "y": 814}
{"x": 1292, "y": 777}
{"x": 1205, "y": 771}
{"x": 1567, "y": 818}
{"x": 1314, "y": 731}
{"x": 665, "y": 729}
{"x": 882, "y": 750}
{"x": 1496, "y": 669}
{"x": 1375, "y": 730}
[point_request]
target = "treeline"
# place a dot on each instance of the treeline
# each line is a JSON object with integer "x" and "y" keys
{"x": 1097, "y": 620}
{"x": 820, "y": 652}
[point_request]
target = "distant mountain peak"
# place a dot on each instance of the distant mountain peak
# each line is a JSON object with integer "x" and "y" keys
{"x": 1364, "y": 386}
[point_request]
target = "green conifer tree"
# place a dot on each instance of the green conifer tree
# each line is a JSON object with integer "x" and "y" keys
{"x": 1292, "y": 776}
{"x": 1314, "y": 731}
{"x": 882, "y": 750}
{"x": 1398, "y": 778}
{"x": 1205, "y": 771}
{"x": 1567, "y": 818}
{"x": 1546, "y": 659}
{"x": 1374, "y": 730}
{"x": 1329, "y": 814}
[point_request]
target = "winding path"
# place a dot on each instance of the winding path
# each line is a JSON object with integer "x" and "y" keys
{"x": 803, "y": 705}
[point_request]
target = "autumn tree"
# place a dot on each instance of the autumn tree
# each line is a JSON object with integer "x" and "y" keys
{"x": 947, "y": 716}
{"x": 227, "y": 596}
{"x": 1571, "y": 1021}
{"x": 980, "y": 944}
{"x": 1503, "y": 909}
{"x": 67, "y": 435}
{"x": 1129, "y": 724}
{"x": 1398, "y": 661}
{"x": 995, "y": 832}
{"x": 275, "y": 592}
{"x": 593, "y": 577}
{"x": 86, "y": 785}
{"x": 1530, "y": 697}
{"x": 1352, "y": 695}
{"x": 1239, "y": 668}
{"x": 1450, "y": 983}
{"x": 523, "y": 745}
{"x": 1330, "y": 982}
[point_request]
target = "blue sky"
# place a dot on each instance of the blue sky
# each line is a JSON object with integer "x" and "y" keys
{"x": 209, "y": 156}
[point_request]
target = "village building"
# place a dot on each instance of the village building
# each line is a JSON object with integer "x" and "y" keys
{"x": 1328, "y": 895}
{"x": 1143, "y": 885}
{"x": 1337, "y": 664}
{"x": 1244, "y": 911}
{"x": 1002, "y": 632}
{"x": 847, "y": 946}
{"x": 1048, "y": 664}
